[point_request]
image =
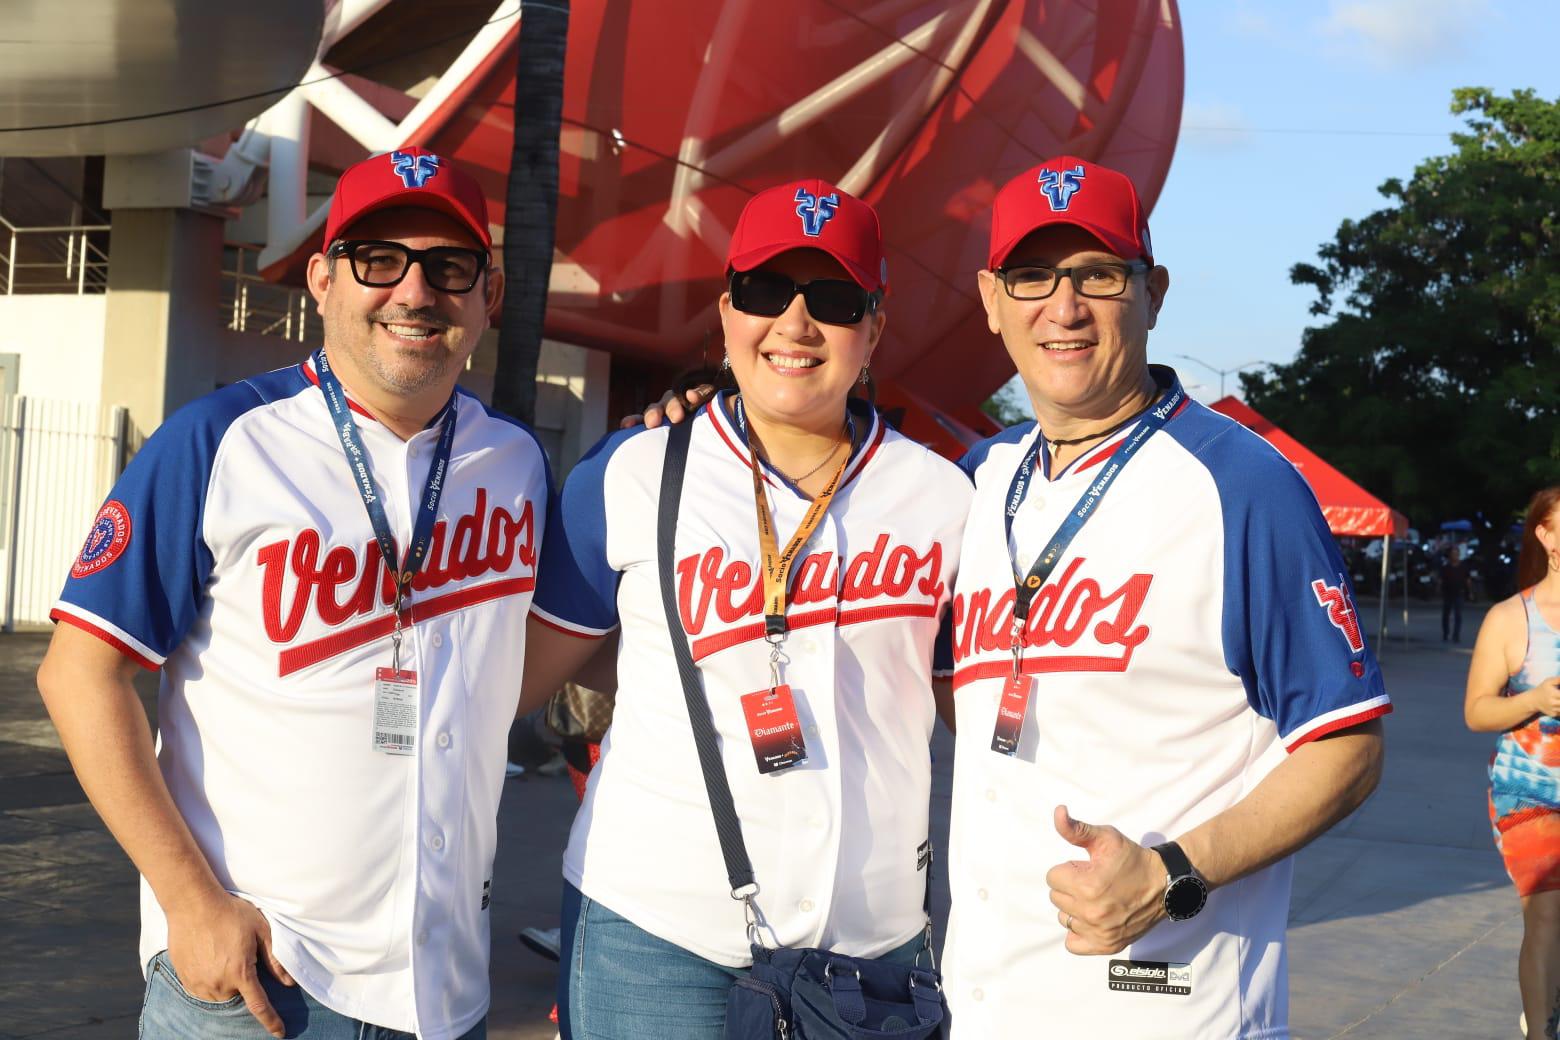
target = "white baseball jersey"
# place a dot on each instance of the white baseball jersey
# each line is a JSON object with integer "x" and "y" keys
{"x": 236, "y": 554}
{"x": 837, "y": 842}
{"x": 1198, "y": 629}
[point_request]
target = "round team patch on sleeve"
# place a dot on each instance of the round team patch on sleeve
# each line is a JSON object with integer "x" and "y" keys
{"x": 106, "y": 541}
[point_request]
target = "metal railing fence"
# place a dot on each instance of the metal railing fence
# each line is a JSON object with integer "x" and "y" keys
{"x": 251, "y": 304}
{"x": 60, "y": 458}
{"x": 69, "y": 259}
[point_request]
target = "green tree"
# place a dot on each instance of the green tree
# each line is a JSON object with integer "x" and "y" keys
{"x": 1435, "y": 382}
{"x": 1010, "y": 404}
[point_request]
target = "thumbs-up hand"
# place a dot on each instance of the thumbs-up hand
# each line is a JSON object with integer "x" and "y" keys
{"x": 1107, "y": 901}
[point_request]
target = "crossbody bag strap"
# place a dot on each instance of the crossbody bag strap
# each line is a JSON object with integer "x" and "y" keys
{"x": 739, "y": 869}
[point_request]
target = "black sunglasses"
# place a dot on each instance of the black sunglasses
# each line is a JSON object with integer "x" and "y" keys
{"x": 832, "y": 301}
{"x": 379, "y": 264}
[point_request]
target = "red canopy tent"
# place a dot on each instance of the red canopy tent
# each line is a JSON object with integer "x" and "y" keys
{"x": 1348, "y": 508}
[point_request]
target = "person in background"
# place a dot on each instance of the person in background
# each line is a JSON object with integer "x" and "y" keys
{"x": 1454, "y": 589}
{"x": 1514, "y": 690}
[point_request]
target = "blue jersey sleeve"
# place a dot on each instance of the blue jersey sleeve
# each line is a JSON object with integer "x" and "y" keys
{"x": 1291, "y": 630}
{"x": 140, "y": 577}
{"x": 576, "y": 585}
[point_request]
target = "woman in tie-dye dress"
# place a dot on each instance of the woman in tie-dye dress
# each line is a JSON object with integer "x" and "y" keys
{"x": 1514, "y": 690}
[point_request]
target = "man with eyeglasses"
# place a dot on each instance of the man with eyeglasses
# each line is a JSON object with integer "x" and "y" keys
{"x": 1153, "y": 632}
{"x": 332, "y": 565}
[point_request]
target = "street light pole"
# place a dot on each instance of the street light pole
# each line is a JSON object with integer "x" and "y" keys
{"x": 1222, "y": 372}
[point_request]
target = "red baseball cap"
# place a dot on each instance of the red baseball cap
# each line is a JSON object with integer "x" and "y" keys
{"x": 1069, "y": 190}
{"x": 408, "y": 176}
{"x": 811, "y": 214}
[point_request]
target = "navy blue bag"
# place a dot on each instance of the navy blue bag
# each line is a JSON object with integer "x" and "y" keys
{"x": 790, "y": 994}
{"x": 815, "y": 994}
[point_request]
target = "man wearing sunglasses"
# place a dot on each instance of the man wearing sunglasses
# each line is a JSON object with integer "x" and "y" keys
{"x": 1154, "y": 633}
{"x": 331, "y": 564}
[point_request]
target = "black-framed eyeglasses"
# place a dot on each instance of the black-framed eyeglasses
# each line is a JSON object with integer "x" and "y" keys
{"x": 1098, "y": 281}
{"x": 833, "y": 301}
{"x": 379, "y": 264}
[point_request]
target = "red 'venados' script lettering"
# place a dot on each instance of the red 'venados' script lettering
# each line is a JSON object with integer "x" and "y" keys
{"x": 1062, "y": 612}
{"x": 349, "y": 583}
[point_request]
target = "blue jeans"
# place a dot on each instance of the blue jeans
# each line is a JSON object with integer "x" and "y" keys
{"x": 619, "y": 982}
{"x": 169, "y": 1013}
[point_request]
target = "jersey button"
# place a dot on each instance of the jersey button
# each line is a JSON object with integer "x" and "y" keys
{"x": 991, "y": 794}
{"x": 443, "y": 740}
{"x": 979, "y": 994}
{"x": 982, "y": 894}
{"x": 438, "y": 640}
{"x": 806, "y": 906}
{"x": 437, "y": 842}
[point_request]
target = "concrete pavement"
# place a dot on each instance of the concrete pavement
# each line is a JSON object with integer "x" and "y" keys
{"x": 1403, "y": 923}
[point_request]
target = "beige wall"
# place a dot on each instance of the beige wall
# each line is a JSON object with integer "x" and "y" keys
{"x": 60, "y": 343}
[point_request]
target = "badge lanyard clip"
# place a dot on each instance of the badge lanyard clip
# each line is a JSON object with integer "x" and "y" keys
{"x": 402, "y": 583}
{"x": 1016, "y": 640}
{"x": 775, "y": 641}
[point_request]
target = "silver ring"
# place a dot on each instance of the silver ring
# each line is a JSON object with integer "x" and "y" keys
{"x": 1067, "y": 924}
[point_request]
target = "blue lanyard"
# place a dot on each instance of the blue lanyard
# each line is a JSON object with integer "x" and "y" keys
{"x": 428, "y": 507}
{"x": 1026, "y": 586}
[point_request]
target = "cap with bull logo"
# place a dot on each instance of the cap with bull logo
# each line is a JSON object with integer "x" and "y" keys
{"x": 1069, "y": 190}
{"x": 409, "y": 176}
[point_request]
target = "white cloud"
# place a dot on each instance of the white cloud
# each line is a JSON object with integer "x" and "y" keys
{"x": 1246, "y": 20}
{"x": 1214, "y": 126}
{"x": 1400, "y": 33}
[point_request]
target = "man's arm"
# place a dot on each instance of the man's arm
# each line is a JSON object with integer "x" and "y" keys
{"x": 1116, "y": 895}
{"x": 554, "y": 657}
{"x": 213, "y": 937}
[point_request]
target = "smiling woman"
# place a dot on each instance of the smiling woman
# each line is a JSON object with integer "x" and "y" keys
{"x": 810, "y": 569}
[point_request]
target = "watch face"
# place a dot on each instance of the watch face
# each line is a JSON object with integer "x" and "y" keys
{"x": 1185, "y": 897}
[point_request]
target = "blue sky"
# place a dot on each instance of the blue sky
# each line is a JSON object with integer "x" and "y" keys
{"x": 1294, "y": 114}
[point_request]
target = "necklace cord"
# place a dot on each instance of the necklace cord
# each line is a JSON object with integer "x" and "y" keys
{"x": 1057, "y": 442}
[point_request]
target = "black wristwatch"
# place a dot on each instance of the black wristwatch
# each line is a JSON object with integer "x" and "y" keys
{"x": 1185, "y": 892}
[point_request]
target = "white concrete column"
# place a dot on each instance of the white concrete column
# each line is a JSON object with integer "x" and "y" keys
{"x": 162, "y": 326}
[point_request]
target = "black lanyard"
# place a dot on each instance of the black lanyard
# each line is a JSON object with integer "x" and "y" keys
{"x": 1026, "y": 586}
{"x": 363, "y": 477}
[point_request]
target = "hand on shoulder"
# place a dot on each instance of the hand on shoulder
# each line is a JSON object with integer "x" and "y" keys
{"x": 670, "y": 408}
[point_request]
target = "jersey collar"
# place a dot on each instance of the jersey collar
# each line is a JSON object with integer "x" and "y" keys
{"x": 1165, "y": 379}
{"x": 869, "y": 434}
{"x": 306, "y": 366}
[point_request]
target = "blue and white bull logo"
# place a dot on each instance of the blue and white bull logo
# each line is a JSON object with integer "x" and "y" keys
{"x": 815, "y": 210}
{"x": 1060, "y": 186}
{"x": 414, "y": 170}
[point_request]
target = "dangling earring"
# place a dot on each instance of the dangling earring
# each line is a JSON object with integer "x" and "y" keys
{"x": 725, "y": 363}
{"x": 866, "y": 377}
